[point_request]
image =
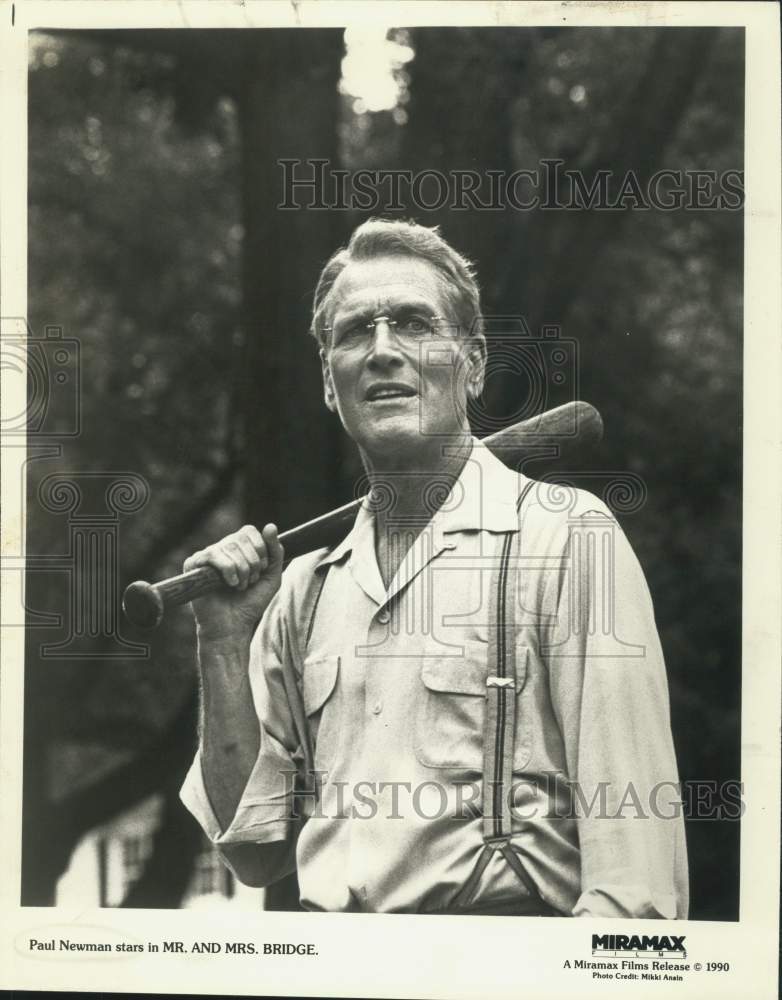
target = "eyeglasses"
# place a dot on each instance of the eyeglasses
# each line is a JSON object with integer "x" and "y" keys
{"x": 409, "y": 326}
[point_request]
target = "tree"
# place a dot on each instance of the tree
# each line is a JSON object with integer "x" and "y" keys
{"x": 126, "y": 122}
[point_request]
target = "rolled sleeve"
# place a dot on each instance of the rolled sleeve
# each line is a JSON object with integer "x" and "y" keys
{"x": 264, "y": 811}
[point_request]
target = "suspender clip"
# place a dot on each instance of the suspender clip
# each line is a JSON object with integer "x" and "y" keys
{"x": 500, "y": 682}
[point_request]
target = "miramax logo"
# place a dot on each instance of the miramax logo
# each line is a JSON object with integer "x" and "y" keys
{"x": 642, "y": 946}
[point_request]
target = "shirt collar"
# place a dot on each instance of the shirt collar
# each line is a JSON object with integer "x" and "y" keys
{"x": 482, "y": 498}
{"x": 364, "y": 522}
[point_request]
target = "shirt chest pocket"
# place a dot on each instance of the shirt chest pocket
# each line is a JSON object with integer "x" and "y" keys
{"x": 322, "y": 704}
{"x": 451, "y": 712}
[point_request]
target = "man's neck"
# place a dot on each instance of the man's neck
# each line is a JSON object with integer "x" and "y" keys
{"x": 407, "y": 493}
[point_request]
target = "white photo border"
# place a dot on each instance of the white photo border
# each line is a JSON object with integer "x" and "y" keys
{"x": 419, "y": 956}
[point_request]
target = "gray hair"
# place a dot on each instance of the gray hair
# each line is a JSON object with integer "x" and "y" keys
{"x": 389, "y": 238}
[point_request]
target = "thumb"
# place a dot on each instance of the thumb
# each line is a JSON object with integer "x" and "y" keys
{"x": 273, "y": 546}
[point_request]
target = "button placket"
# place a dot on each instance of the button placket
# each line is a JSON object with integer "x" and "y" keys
{"x": 378, "y": 630}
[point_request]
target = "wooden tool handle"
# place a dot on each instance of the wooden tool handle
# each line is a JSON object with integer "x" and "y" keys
{"x": 145, "y": 603}
{"x": 571, "y": 426}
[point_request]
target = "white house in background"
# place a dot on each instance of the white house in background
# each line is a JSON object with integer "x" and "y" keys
{"x": 110, "y": 858}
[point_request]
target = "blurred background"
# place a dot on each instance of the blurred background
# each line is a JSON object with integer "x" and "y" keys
{"x": 158, "y": 257}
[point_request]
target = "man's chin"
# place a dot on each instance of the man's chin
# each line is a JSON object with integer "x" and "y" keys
{"x": 392, "y": 434}
{"x": 400, "y": 437}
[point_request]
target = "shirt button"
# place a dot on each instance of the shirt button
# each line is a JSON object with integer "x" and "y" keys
{"x": 384, "y": 617}
{"x": 377, "y": 708}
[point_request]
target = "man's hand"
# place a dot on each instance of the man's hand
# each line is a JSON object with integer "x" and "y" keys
{"x": 250, "y": 563}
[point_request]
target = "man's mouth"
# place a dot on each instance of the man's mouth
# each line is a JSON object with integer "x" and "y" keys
{"x": 389, "y": 390}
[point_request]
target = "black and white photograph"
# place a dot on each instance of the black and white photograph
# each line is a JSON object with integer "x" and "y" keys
{"x": 390, "y": 483}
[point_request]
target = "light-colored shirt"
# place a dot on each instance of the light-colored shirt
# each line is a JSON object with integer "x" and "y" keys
{"x": 394, "y": 690}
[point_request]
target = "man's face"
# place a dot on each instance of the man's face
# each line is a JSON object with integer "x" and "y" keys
{"x": 397, "y": 387}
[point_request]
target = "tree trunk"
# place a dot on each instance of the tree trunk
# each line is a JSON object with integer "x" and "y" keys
{"x": 460, "y": 119}
{"x": 555, "y": 253}
{"x": 291, "y": 444}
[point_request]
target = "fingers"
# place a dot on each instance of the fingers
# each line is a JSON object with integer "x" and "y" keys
{"x": 226, "y": 557}
{"x": 242, "y": 557}
{"x": 253, "y": 549}
{"x": 262, "y": 550}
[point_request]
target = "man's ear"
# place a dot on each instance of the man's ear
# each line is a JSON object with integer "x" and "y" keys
{"x": 328, "y": 383}
{"x": 476, "y": 366}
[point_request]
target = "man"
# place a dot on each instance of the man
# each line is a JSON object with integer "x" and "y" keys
{"x": 480, "y": 746}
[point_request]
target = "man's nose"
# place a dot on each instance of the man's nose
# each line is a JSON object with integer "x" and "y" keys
{"x": 385, "y": 346}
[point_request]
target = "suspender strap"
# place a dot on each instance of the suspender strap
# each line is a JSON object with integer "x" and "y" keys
{"x": 292, "y": 679}
{"x": 500, "y": 724}
{"x": 500, "y": 718}
{"x": 512, "y": 857}
{"x": 311, "y": 601}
